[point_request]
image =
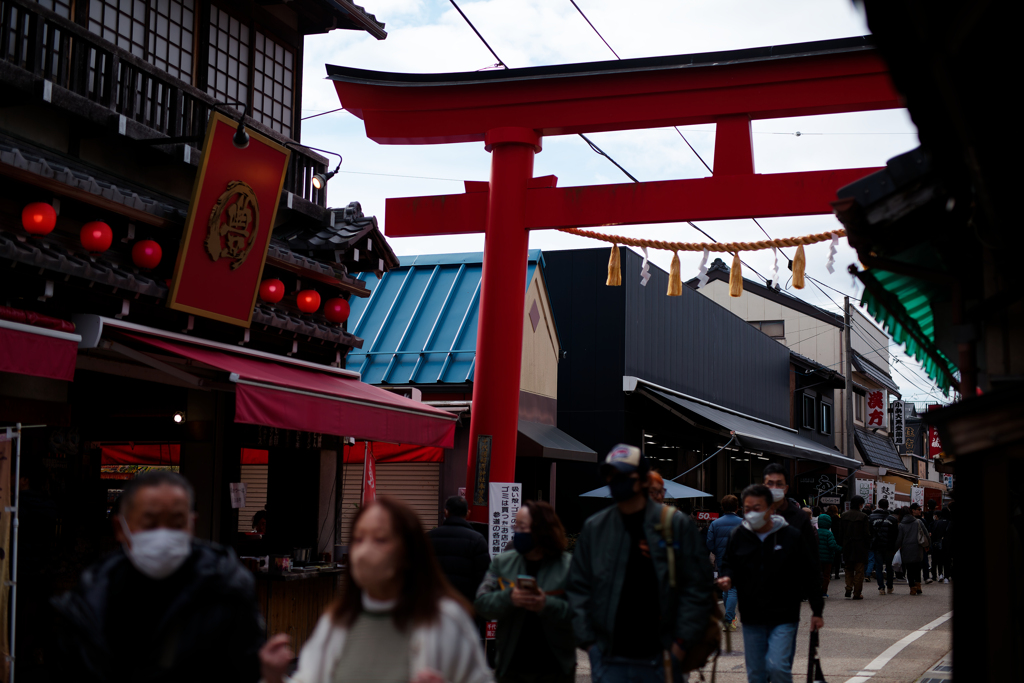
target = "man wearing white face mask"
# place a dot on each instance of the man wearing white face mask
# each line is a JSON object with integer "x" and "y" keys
{"x": 770, "y": 566}
{"x": 776, "y": 479}
{"x": 165, "y": 607}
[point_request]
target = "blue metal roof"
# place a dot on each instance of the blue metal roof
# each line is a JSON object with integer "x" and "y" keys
{"x": 419, "y": 322}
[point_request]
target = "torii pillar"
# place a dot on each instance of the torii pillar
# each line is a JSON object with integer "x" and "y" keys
{"x": 511, "y": 110}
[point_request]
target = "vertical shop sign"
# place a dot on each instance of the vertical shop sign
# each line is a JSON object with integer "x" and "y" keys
{"x": 230, "y": 218}
{"x": 898, "y": 423}
{"x": 369, "y": 474}
{"x": 887, "y": 491}
{"x": 878, "y": 411}
{"x": 483, "y": 469}
{"x": 866, "y": 490}
{"x": 917, "y": 495}
{"x": 504, "y": 501}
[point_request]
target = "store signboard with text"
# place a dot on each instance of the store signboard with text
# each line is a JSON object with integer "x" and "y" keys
{"x": 877, "y": 411}
{"x": 230, "y": 218}
{"x": 504, "y": 499}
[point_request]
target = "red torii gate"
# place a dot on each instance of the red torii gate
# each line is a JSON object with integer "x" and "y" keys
{"x": 511, "y": 110}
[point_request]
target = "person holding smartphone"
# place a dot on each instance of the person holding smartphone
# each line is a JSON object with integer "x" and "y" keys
{"x": 524, "y": 589}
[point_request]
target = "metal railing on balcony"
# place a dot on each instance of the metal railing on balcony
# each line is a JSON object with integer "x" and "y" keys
{"x": 66, "y": 54}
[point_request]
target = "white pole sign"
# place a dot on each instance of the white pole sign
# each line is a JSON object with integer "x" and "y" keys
{"x": 898, "y": 422}
{"x": 917, "y": 495}
{"x": 503, "y": 503}
{"x": 878, "y": 411}
{"x": 887, "y": 491}
{"x": 866, "y": 490}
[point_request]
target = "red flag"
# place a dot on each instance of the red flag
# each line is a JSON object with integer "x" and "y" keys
{"x": 369, "y": 475}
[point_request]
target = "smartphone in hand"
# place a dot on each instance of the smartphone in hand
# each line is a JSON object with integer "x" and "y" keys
{"x": 527, "y": 583}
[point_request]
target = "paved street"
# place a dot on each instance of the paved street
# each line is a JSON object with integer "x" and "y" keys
{"x": 857, "y": 633}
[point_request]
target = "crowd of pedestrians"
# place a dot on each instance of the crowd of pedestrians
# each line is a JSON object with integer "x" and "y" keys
{"x": 638, "y": 592}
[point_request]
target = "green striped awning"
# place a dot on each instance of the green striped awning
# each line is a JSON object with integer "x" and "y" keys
{"x": 902, "y": 304}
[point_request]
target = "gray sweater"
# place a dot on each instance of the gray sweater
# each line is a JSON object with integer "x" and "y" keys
{"x": 906, "y": 539}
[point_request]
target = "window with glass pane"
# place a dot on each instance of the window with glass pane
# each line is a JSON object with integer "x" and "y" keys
{"x": 61, "y": 7}
{"x": 171, "y": 23}
{"x": 808, "y": 411}
{"x": 228, "y": 74}
{"x": 122, "y": 22}
{"x": 826, "y": 418}
{"x": 273, "y": 84}
{"x": 858, "y": 403}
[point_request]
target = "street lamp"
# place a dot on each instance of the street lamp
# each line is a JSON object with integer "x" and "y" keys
{"x": 319, "y": 180}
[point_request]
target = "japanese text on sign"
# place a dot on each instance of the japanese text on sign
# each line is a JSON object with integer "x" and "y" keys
{"x": 877, "y": 410}
{"x": 504, "y": 502}
{"x": 898, "y": 423}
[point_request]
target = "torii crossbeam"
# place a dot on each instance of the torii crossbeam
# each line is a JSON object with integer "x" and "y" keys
{"x": 510, "y": 111}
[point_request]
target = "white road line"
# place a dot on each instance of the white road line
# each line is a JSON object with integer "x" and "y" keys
{"x": 881, "y": 660}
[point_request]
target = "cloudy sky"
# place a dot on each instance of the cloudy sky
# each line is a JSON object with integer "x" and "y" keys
{"x": 429, "y": 36}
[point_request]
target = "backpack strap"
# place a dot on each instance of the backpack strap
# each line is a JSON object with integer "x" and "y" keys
{"x": 665, "y": 528}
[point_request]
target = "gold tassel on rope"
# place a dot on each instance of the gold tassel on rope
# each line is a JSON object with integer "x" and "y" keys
{"x": 614, "y": 268}
{"x": 675, "y": 280}
{"x": 736, "y": 276}
{"x": 799, "y": 265}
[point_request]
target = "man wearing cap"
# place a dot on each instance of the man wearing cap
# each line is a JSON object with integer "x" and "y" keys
{"x": 627, "y": 610}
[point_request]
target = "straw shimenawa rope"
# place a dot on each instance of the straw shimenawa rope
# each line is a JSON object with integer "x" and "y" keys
{"x": 729, "y": 247}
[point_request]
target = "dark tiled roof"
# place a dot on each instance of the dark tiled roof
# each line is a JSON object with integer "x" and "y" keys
{"x": 358, "y": 17}
{"x": 348, "y": 226}
{"x": 264, "y": 314}
{"x": 878, "y": 450}
{"x": 876, "y": 375}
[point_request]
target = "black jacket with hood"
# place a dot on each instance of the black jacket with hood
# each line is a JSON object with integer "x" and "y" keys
{"x": 771, "y": 577}
{"x": 462, "y": 553}
{"x": 883, "y": 532}
{"x": 211, "y": 631}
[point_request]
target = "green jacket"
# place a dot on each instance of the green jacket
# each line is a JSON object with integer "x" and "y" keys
{"x": 599, "y": 568}
{"x": 494, "y": 601}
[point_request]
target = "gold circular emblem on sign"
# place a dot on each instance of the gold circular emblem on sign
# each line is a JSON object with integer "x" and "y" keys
{"x": 234, "y": 222}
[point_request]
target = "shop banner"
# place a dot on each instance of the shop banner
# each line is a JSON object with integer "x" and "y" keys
{"x": 947, "y": 479}
{"x": 887, "y": 491}
{"x": 878, "y": 411}
{"x": 703, "y": 516}
{"x": 898, "y": 422}
{"x": 230, "y": 218}
{"x": 369, "y": 475}
{"x": 866, "y": 490}
{"x": 503, "y": 503}
{"x": 917, "y": 495}
{"x": 934, "y": 444}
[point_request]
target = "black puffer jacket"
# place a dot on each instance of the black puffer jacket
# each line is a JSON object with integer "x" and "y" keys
{"x": 883, "y": 532}
{"x": 212, "y": 631}
{"x": 771, "y": 577}
{"x": 462, "y": 553}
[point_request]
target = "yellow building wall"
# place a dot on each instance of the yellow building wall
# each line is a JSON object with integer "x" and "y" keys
{"x": 539, "y": 374}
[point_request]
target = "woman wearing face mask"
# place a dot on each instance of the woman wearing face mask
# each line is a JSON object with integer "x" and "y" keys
{"x": 524, "y": 589}
{"x": 399, "y": 621}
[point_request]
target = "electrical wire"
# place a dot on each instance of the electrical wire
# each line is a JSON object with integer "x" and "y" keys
{"x": 605, "y": 155}
{"x": 731, "y": 439}
{"x": 482, "y": 40}
{"x": 595, "y": 29}
{"x": 323, "y": 113}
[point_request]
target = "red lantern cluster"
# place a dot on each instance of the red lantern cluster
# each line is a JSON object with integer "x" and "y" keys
{"x": 96, "y": 236}
{"x": 308, "y": 300}
{"x": 272, "y": 291}
{"x": 38, "y": 218}
{"x": 336, "y": 310}
{"x": 146, "y": 254}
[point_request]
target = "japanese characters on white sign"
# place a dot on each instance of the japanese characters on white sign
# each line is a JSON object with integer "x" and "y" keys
{"x": 866, "y": 490}
{"x": 917, "y": 495}
{"x": 898, "y": 423}
{"x": 503, "y": 504}
{"x": 887, "y": 491}
{"x": 878, "y": 411}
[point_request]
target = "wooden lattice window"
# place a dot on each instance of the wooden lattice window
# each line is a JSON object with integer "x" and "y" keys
{"x": 273, "y": 84}
{"x": 228, "y": 73}
{"x": 122, "y": 22}
{"x": 171, "y": 24}
{"x": 61, "y": 7}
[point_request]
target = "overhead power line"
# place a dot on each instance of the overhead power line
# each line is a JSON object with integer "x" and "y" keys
{"x": 478, "y": 35}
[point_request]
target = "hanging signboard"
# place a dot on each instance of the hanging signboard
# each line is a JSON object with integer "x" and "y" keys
{"x": 934, "y": 444}
{"x": 369, "y": 475}
{"x": 230, "y": 218}
{"x": 878, "y": 411}
{"x": 503, "y": 504}
{"x": 887, "y": 491}
{"x": 917, "y": 495}
{"x": 912, "y": 444}
{"x": 898, "y": 422}
{"x": 866, "y": 490}
{"x": 947, "y": 479}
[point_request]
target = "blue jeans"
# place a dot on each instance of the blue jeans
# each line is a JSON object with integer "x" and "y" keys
{"x": 769, "y": 652}
{"x": 606, "y": 669}
{"x": 730, "y": 605}
{"x": 883, "y": 569}
{"x": 871, "y": 564}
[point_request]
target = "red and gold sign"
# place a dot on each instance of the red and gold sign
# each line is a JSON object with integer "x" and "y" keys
{"x": 230, "y": 219}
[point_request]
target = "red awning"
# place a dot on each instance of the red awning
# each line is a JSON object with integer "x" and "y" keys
{"x": 289, "y": 397}
{"x": 393, "y": 452}
{"x": 30, "y": 350}
{"x": 140, "y": 454}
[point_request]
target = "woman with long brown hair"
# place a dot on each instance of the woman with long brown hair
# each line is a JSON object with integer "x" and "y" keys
{"x": 398, "y": 621}
{"x": 524, "y": 589}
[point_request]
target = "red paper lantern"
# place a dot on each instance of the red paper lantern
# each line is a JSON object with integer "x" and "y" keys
{"x": 271, "y": 291}
{"x": 146, "y": 254}
{"x": 308, "y": 300}
{"x": 96, "y": 236}
{"x": 336, "y": 310}
{"x": 38, "y": 218}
